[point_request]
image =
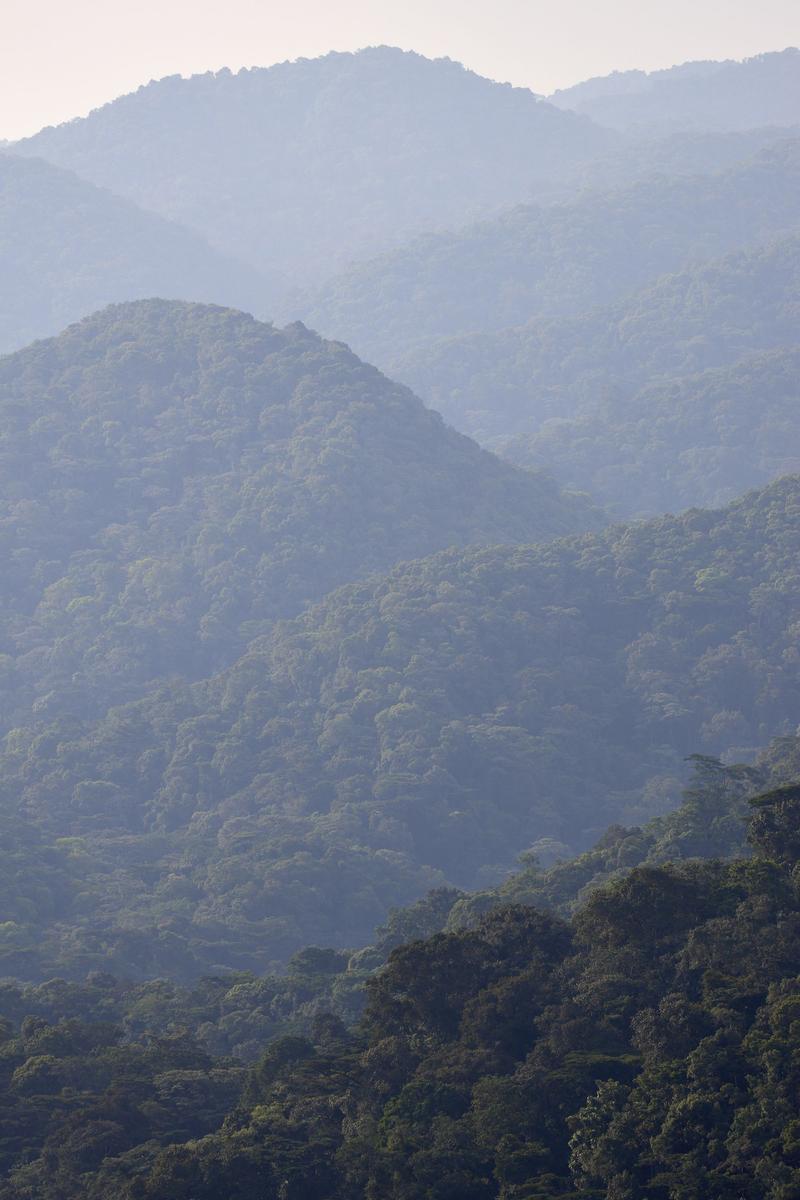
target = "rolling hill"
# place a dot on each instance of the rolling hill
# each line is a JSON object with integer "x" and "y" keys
{"x": 496, "y": 385}
{"x": 412, "y": 730}
{"x": 68, "y": 248}
{"x": 693, "y": 440}
{"x": 555, "y": 260}
{"x": 176, "y": 477}
{"x": 303, "y": 166}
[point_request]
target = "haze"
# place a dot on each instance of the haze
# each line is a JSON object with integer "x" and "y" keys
{"x": 58, "y": 61}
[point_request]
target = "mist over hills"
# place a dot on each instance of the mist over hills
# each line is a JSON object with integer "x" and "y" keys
{"x": 285, "y": 657}
{"x": 303, "y": 166}
{"x": 694, "y": 439}
{"x": 494, "y": 385}
{"x": 764, "y": 90}
{"x": 411, "y": 730}
{"x": 68, "y": 248}
{"x": 176, "y": 477}
{"x": 634, "y": 159}
{"x": 556, "y": 260}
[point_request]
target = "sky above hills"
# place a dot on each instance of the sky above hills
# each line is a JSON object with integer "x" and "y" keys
{"x": 58, "y": 61}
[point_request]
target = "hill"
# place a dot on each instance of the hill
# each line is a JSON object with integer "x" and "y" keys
{"x": 693, "y": 440}
{"x": 417, "y": 730}
{"x": 557, "y": 260}
{"x": 495, "y": 385}
{"x": 764, "y": 90}
{"x": 647, "y": 1046}
{"x": 689, "y": 152}
{"x": 68, "y": 248}
{"x": 306, "y": 165}
{"x": 177, "y": 477}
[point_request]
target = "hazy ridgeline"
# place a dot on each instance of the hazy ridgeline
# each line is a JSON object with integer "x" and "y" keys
{"x": 378, "y": 819}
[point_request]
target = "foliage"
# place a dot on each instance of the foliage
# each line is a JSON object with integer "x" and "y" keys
{"x": 711, "y": 315}
{"x": 175, "y": 477}
{"x": 646, "y": 1047}
{"x": 696, "y": 439}
{"x": 412, "y": 731}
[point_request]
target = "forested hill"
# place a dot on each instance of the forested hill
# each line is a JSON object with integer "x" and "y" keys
{"x": 556, "y": 260}
{"x": 175, "y": 477}
{"x": 419, "y": 729}
{"x": 694, "y": 439}
{"x": 764, "y": 90}
{"x": 503, "y": 1049}
{"x": 712, "y": 315}
{"x": 68, "y": 248}
{"x": 306, "y": 165}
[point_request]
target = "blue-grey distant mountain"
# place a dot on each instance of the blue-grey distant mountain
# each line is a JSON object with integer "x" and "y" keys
{"x": 307, "y": 165}
{"x": 764, "y": 90}
{"x": 695, "y": 439}
{"x": 711, "y": 315}
{"x": 557, "y": 260}
{"x": 68, "y": 248}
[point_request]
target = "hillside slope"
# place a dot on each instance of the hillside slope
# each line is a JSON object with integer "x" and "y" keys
{"x": 693, "y": 440}
{"x": 414, "y": 730}
{"x": 177, "y": 477}
{"x": 306, "y": 165}
{"x": 68, "y": 248}
{"x": 494, "y": 385}
{"x": 557, "y": 260}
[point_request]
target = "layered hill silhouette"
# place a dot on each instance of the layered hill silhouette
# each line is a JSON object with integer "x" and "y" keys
{"x": 412, "y": 730}
{"x": 68, "y": 248}
{"x": 696, "y": 439}
{"x": 306, "y": 165}
{"x": 493, "y": 385}
{"x": 176, "y": 477}
{"x": 556, "y": 260}
{"x": 764, "y": 90}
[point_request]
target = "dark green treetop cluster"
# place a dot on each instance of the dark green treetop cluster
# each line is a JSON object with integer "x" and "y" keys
{"x": 647, "y": 1046}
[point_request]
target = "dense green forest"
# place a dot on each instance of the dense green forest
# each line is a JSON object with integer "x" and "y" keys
{"x": 411, "y": 731}
{"x": 306, "y": 165}
{"x": 764, "y": 90}
{"x": 175, "y": 477}
{"x": 696, "y": 439}
{"x": 633, "y": 1037}
{"x": 68, "y": 248}
{"x": 380, "y": 820}
{"x": 555, "y": 260}
{"x": 493, "y": 385}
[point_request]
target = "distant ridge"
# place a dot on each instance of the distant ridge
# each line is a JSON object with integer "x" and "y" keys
{"x": 763, "y": 90}
{"x": 68, "y": 248}
{"x": 306, "y": 165}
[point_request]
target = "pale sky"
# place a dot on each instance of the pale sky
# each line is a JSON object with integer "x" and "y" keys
{"x": 60, "y": 58}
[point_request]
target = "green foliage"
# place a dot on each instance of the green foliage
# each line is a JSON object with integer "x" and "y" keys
{"x": 420, "y": 730}
{"x": 699, "y": 439}
{"x": 176, "y": 477}
{"x": 647, "y": 1048}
